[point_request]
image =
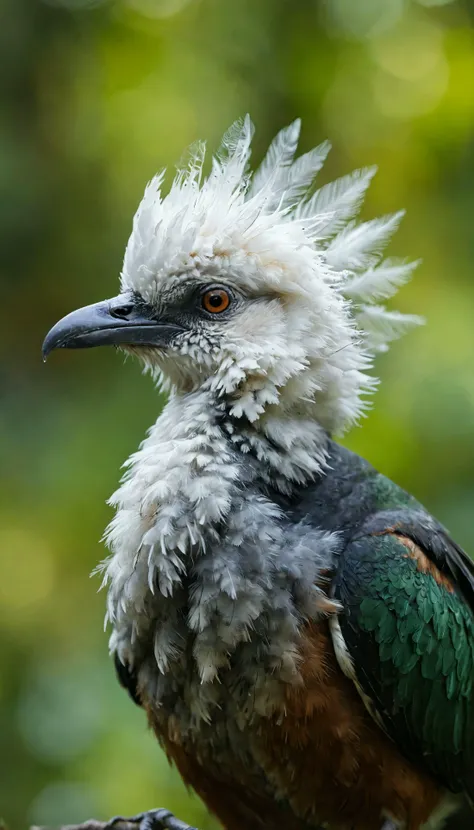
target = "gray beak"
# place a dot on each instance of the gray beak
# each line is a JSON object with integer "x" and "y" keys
{"x": 115, "y": 322}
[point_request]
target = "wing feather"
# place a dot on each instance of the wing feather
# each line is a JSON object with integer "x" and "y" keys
{"x": 408, "y": 630}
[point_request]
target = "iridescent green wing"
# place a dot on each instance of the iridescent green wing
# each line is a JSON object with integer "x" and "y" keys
{"x": 410, "y": 635}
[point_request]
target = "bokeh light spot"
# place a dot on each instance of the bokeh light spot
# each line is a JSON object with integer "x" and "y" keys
{"x": 411, "y": 50}
{"x": 401, "y": 99}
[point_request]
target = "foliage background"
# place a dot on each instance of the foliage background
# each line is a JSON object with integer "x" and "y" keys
{"x": 95, "y": 97}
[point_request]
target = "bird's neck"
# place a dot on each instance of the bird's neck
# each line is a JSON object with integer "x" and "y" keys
{"x": 199, "y": 547}
{"x": 287, "y": 450}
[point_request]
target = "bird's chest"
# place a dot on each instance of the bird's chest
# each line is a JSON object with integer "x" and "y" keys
{"x": 216, "y": 724}
{"x": 228, "y": 669}
{"x": 214, "y": 655}
{"x": 203, "y": 607}
{"x": 209, "y": 583}
{"x": 234, "y": 658}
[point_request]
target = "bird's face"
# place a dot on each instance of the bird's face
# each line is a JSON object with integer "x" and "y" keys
{"x": 197, "y": 330}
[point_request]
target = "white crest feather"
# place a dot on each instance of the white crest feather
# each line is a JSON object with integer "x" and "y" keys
{"x": 270, "y": 236}
{"x": 381, "y": 326}
{"x": 302, "y": 173}
{"x": 236, "y": 140}
{"x": 358, "y": 246}
{"x": 280, "y": 154}
{"x": 380, "y": 282}
{"x": 341, "y": 199}
{"x": 191, "y": 163}
{"x": 234, "y": 152}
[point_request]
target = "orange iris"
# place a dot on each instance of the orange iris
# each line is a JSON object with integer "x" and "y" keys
{"x": 216, "y": 300}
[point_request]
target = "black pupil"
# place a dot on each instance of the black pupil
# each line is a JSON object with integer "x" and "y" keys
{"x": 216, "y": 300}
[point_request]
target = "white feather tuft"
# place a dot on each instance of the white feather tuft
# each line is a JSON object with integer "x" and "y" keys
{"x": 340, "y": 200}
{"x": 280, "y": 154}
{"x": 358, "y": 246}
{"x": 381, "y": 326}
{"x": 302, "y": 173}
{"x": 236, "y": 140}
{"x": 231, "y": 161}
{"x": 191, "y": 163}
{"x": 380, "y": 282}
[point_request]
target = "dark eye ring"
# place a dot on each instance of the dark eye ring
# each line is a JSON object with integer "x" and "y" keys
{"x": 216, "y": 300}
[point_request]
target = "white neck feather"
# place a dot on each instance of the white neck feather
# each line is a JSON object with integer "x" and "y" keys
{"x": 199, "y": 548}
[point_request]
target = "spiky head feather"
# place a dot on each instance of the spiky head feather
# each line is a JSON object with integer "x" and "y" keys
{"x": 272, "y": 235}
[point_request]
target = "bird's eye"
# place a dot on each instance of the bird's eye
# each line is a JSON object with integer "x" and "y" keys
{"x": 216, "y": 300}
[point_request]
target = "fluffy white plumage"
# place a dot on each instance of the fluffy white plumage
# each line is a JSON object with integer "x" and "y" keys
{"x": 272, "y": 233}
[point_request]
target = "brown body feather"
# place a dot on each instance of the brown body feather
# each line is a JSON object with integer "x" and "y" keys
{"x": 325, "y": 759}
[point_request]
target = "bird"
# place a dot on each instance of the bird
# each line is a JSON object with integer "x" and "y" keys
{"x": 298, "y": 629}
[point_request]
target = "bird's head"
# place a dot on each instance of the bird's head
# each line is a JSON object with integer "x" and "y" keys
{"x": 259, "y": 288}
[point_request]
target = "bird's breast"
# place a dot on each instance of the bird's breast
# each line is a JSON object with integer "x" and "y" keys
{"x": 317, "y": 757}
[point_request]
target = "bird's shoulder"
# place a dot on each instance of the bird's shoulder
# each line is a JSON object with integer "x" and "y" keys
{"x": 349, "y": 492}
{"x": 356, "y": 500}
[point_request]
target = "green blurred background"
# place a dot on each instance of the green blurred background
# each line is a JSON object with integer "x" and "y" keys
{"x": 97, "y": 95}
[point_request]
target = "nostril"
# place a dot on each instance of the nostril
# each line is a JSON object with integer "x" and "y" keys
{"x": 122, "y": 312}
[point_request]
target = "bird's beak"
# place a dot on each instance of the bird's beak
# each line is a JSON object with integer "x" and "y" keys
{"x": 115, "y": 322}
